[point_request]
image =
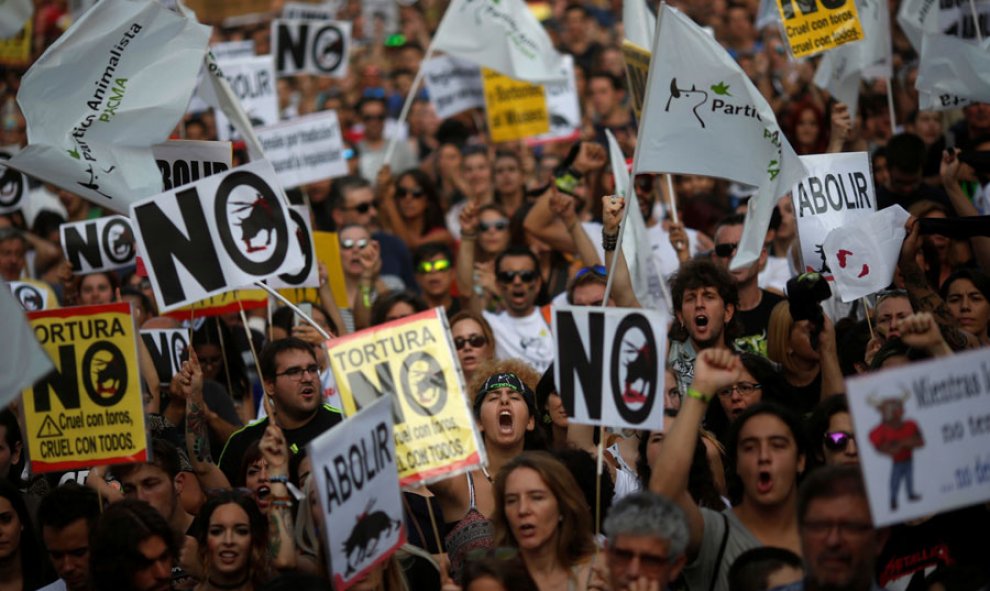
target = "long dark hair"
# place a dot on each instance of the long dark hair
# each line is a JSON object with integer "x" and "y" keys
{"x": 35, "y": 568}
{"x": 211, "y": 333}
{"x": 433, "y": 216}
{"x": 258, "y": 564}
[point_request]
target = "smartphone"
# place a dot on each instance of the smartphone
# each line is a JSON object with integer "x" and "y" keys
{"x": 306, "y": 309}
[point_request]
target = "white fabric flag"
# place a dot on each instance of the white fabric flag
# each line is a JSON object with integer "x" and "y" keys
{"x": 702, "y": 115}
{"x": 13, "y": 15}
{"x": 952, "y": 72}
{"x": 24, "y": 362}
{"x": 841, "y": 69}
{"x": 501, "y": 35}
{"x": 913, "y": 17}
{"x": 638, "y": 23}
{"x": 862, "y": 255}
{"x": 767, "y": 14}
{"x": 646, "y": 278}
{"x": 116, "y": 83}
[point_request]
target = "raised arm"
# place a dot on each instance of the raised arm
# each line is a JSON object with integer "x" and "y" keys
{"x": 714, "y": 369}
{"x": 281, "y": 544}
{"x": 949, "y": 171}
{"x": 563, "y": 207}
{"x": 613, "y": 210}
{"x": 189, "y": 383}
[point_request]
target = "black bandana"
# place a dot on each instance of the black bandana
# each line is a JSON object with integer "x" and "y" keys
{"x": 505, "y": 380}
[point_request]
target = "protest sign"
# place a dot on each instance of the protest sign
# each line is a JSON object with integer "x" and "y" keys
{"x": 814, "y": 26}
{"x": 610, "y": 364}
{"x": 324, "y": 11}
{"x": 167, "y": 347}
{"x": 94, "y": 102}
{"x": 862, "y": 254}
{"x": 637, "y": 70}
{"x": 515, "y": 109}
{"x": 226, "y": 230}
{"x": 252, "y": 82}
{"x": 328, "y": 253}
{"x": 454, "y": 85}
{"x": 24, "y": 362}
{"x": 13, "y": 184}
{"x": 16, "y": 50}
{"x": 229, "y": 50}
{"x": 311, "y": 47}
{"x": 305, "y": 149}
{"x": 228, "y": 302}
{"x": 412, "y": 362}
{"x": 13, "y": 16}
{"x": 923, "y": 435}
{"x": 356, "y": 481}
{"x": 102, "y": 244}
{"x": 33, "y": 295}
{"x": 186, "y": 161}
{"x": 638, "y": 23}
{"x": 562, "y": 107}
{"x": 380, "y": 15}
{"x": 838, "y": 189}
{"x": 300, "y": 228}
{"x": 89, "y": 410}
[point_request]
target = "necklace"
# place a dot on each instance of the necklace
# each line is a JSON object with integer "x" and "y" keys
{"x": 228, "y": 586}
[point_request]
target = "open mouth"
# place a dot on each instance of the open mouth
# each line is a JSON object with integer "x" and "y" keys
{"x": 764, "y": 482}
{"x": 701, "y": 321}
{"x": 262, "y": 493}
{"x": 526, "y": 529}
{"x": 228, "y": 556}
{"x": 505, "y": 421}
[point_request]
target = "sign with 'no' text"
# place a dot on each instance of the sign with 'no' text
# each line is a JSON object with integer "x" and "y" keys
{"x": 89, "y": 409}
{"x": 412, "y": 361}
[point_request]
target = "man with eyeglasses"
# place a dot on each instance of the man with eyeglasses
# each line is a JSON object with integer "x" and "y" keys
{"x": 755, "y": 304}
{"x": 291, "y": 377}
{"x": 434, "y": 266}
{"x": 520, "y": 330}
{"x": 373, "y": 112}
{"x": 838, "y": 541}
{"x": 646, "y": 535}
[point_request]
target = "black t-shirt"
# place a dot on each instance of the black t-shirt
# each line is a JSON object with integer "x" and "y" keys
{"x": 233, "y": 452}
{"x": 754, "y": 324}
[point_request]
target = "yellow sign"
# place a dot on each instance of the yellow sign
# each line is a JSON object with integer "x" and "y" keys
{"x": 89, "y": 410}
{"x": 412, "y": 360}
{"x": 16, "y": 50}
{"x": 229, "y": 302}
{"x": 814, "y": 26}
{"x": 516, "y": 110}
{"x": 328, "y": 252}
{"x": 637, "y": 71}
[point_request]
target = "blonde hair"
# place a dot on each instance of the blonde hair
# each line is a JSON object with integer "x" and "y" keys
{"x": 779, "y": 336}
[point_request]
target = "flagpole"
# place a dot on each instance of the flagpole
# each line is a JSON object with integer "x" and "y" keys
{"x": 618, "y": 251}
{"x": 890, "y": 106}
{"x": 327, "y": 336}
{"x": 673, "y": 198}
{"x": 408, "y": 103}
{"x": 976, "y": 21}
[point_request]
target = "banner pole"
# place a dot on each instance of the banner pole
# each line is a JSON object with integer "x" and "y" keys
{"x": 976, "y": 21}
{"x": 866, "y": 312}
{"x": 294, "y": 308}
{"x": 890, "y": 106}
{"x": 673, "y": 198}
{"x": 408, "y": 104}
{"x": 617, "y": 252}
{"x": 223, "y": 352}
{"x": 598, "y": 482}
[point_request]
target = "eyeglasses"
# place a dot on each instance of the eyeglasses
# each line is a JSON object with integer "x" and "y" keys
{"x": 497, "y": 224}
{"x": 295, "y": 373}
{"x": 837, "y": 440}
{"x": 431, "y": 266}
{"x": 364, "y": 207}
{"x": 476, "y": 341}
{"x": 744, "y": 388}
{"x": 846, "y": 528}
{"x": 348, "y": 243}
{"x": 651, "y": 562}
{"x": 598, "y": 270}
{"x": 402, "y": 192}
{"x": 373, "y": 117}
{"x": 725, "y": 250}
{"x": 510, "y": 276}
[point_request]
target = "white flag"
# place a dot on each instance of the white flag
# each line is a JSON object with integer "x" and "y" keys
{"x": 952, "y": 72}
{"x": 702, "y": 115}
{"x": 116, "y": 83}
{"x": 767, "y": 14}
{"x": 917, "y": 16}
{"x": 13, "y": 15}
{"x": 24, "y": 362}
{"x": 501, "y": 35}
{"x": 638, "y": 23}
{"x": 862, "y": 255}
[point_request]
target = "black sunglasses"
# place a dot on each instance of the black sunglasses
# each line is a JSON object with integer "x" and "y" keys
{"x": 364, "y": 207}
{"x": 510, "y": 276}
{"x": 725, "y": 250}
{"x": 401, "y": 192}
{"x": 838, "y": 440}
{"x": 476, "y": 341}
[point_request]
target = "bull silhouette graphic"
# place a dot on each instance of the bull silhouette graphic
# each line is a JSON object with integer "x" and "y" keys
{"x": 368, "y": 532}
{"x": 677, "y": 93}
{"x": 260, "y": 218}
{"x": 641, "y": 367}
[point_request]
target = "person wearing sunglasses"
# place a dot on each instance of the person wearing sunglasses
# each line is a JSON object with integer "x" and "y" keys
{"x": 473, "y": 340}
{"x": 484, "y": 234}
{"x": 434, "y": 264}
{"x": 755, "y": 304}
{"x": 830, "y": 428}
{"x": 373, "y": 145}
{"x": 411, "y": 209}
{"x": 364, "y": 281}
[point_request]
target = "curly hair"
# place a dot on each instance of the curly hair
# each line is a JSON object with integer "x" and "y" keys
{"x": 523, "y": 370}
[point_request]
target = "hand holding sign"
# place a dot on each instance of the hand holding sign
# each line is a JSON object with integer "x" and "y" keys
{"x": 189, "y": 385}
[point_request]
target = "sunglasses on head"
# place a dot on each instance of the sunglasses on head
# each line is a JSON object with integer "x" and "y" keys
{"x": 349, "y": 243}
{"x": 402, "y": 192}
{"x": 598, "y": 270}
{"x": 497, "y": 225}
{"x": 725, "y": 250}
{"x": 510, "y": 276}
{"x": 431, "y": 266}
{"x": 476, "y": 341}
{"x": 364, "y": 207}
{"x": 838, "y": 440}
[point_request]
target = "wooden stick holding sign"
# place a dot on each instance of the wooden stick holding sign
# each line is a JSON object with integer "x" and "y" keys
{"x": 294, "y": 308}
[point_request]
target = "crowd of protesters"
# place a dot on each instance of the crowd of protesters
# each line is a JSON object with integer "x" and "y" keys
{"x": 752, "y": 481}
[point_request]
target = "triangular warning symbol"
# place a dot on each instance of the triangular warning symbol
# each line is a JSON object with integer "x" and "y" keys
{"x": 49, "y": 428}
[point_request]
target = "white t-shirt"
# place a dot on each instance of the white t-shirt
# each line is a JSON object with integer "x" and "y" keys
{"x": 775, "y": 274}
{"x": 527, "y": 338}
{"x": 58, "y": 585}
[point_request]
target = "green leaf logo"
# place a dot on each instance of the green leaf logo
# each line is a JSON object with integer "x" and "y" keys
{"x": 721, "y": 89}
{"x": 74, "y": 153}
